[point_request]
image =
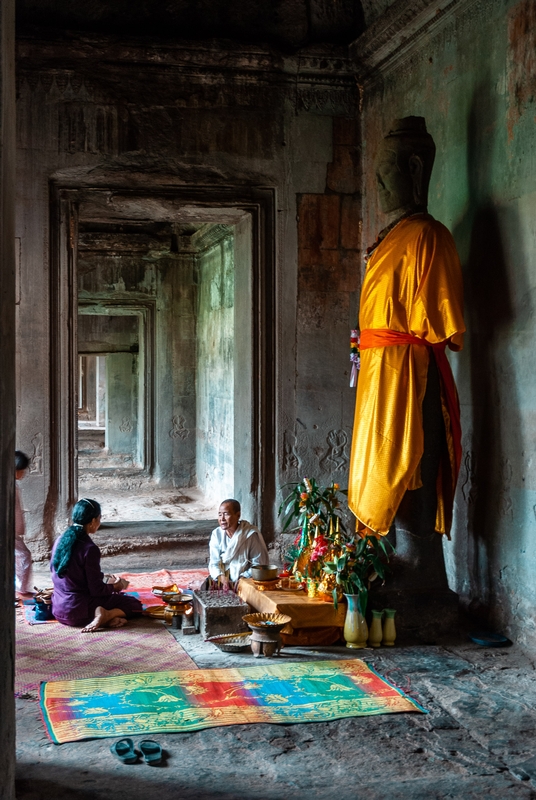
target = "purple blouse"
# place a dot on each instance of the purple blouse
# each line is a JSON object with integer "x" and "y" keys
{"x": 81, "y": 589}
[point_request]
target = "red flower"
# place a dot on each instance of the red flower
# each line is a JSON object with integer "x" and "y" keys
{"x": 320, "y": 547}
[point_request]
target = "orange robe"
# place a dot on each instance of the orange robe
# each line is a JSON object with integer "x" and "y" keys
{"x": 413, "y": 285}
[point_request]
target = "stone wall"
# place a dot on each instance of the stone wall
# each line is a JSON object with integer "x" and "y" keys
{"x": 472, "y": 77}
{"x": 329, "y": 259}
{"x": 133, "y": 117}
{"x": 8, "y": 269}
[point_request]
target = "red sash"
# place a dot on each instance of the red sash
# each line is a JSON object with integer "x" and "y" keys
{"x": 383, "y": 337}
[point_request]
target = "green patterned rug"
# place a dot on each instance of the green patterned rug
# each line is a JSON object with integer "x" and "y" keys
{"x": 188, "y": 700}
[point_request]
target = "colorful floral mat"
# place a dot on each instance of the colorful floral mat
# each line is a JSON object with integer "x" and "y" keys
{"x": 57, "y": 652}
{"x": 190, "y": 700}
{"x": 140, "y": 586}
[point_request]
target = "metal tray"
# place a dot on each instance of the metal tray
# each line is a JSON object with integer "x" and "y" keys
{"x": 232, "y": 642}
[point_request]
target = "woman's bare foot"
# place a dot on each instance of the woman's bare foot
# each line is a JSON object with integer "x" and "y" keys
{"x": 99, "y": 621}
{"x": 115, "y": 618}
{"x": 117, "y": 622}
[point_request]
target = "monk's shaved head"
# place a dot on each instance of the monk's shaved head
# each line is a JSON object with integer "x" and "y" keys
{"x": 235, "y": 505}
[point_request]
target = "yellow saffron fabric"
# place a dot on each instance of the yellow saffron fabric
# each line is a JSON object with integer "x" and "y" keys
{"x": 413, "y": 284}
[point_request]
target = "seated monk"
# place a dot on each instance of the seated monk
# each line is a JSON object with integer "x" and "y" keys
{"x": 81, "y": 598}
{"x": 235, "y": 545}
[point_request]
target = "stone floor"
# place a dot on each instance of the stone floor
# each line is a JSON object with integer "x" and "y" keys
{"x": 478, "y": 739}
{"x": 132, "y": 496}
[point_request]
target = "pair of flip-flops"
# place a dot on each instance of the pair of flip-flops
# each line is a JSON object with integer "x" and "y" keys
{"x": 125, "y": 751}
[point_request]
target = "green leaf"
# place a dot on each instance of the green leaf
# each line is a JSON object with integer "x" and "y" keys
{"x": 291, "y": 504}
{"x": 378, "y": 566}
{"x": 335, "y": 599}
{"x": 361, "y": 547}
{"x": 356, "y": 581}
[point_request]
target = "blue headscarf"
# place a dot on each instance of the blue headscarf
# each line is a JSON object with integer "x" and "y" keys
{"x": 84, "y": 512}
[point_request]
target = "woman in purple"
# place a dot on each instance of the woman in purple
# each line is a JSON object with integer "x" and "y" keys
{"x": 81, "y": 598}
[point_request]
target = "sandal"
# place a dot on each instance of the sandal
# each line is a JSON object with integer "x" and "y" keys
{"x": 43, "y": 595}
{"x": 124, "y": 751}
{"x": 151, "y": 752}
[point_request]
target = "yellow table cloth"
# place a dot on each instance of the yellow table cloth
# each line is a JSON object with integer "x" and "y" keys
{"x": 304, "y": 611}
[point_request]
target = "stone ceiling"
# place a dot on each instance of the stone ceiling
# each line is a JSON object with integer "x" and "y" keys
{"x": 288, "y": 24}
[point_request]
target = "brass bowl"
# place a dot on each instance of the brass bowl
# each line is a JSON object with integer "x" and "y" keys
{"x": 267, "y": 622}
{"x": 176, "y": 598}
{"x": 232, "y": 642}
{"x": 264, "y": 572}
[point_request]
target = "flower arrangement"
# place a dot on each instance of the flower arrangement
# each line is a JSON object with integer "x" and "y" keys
{"x": 361, "y": 560}
{"x": 315, "y": 510}
{"x": 323, "y": 557}
{"x": 355, "y": 358}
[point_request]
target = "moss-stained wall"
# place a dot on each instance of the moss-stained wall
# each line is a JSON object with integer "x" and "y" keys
{"x": 475, "y": 82}
{"x": 215, "y": 361}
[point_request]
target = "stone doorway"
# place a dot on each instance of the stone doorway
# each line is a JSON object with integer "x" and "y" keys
{"x": 163, "y": 377}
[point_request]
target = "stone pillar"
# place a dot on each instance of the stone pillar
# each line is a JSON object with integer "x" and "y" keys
{"x": 122, "y": 404}
{"x": 91, "y": 388}
{"x": 101, "y": 391}
{"x": 7, "y": 395}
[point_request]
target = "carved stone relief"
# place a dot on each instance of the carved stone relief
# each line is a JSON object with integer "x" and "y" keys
{"x": 178, "y": 430}
{"x": 291, "y": 459}
{"x": 468, "y": 487}
{"x": 336, "y": 457}
{"x": 126, "y": 426}
{"x": 328, "y": 100}
{"x": 36, "y": 458}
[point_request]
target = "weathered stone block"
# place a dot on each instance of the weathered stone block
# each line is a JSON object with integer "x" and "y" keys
{"x": 348, "y": 275}
{"x": 318, "y": 221}
{"x": 343, "y": 174}
{"x": 329, "y": 271}
{"x": 219, "y": 612}
{"x": 351, "y": 222}
{"x": 327, "y": 311}
{"x": 346, "y": 131}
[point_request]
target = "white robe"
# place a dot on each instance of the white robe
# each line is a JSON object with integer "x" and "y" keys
{"x": 244, "y": 548}
{"x": 23, "y": 556}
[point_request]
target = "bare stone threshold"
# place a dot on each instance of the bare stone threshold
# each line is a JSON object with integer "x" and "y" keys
{"x": 166, "y": 545}
{"x": 141, "y": 546}
{"x": 158, "y": 527}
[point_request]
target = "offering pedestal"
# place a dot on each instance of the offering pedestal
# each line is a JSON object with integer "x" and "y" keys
{"x": 265, "y": 642}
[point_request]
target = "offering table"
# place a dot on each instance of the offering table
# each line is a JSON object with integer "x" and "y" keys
{"x": 312, "y": 621}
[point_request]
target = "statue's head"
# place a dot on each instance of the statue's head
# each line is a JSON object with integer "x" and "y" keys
{"x": 404, "y": 165}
